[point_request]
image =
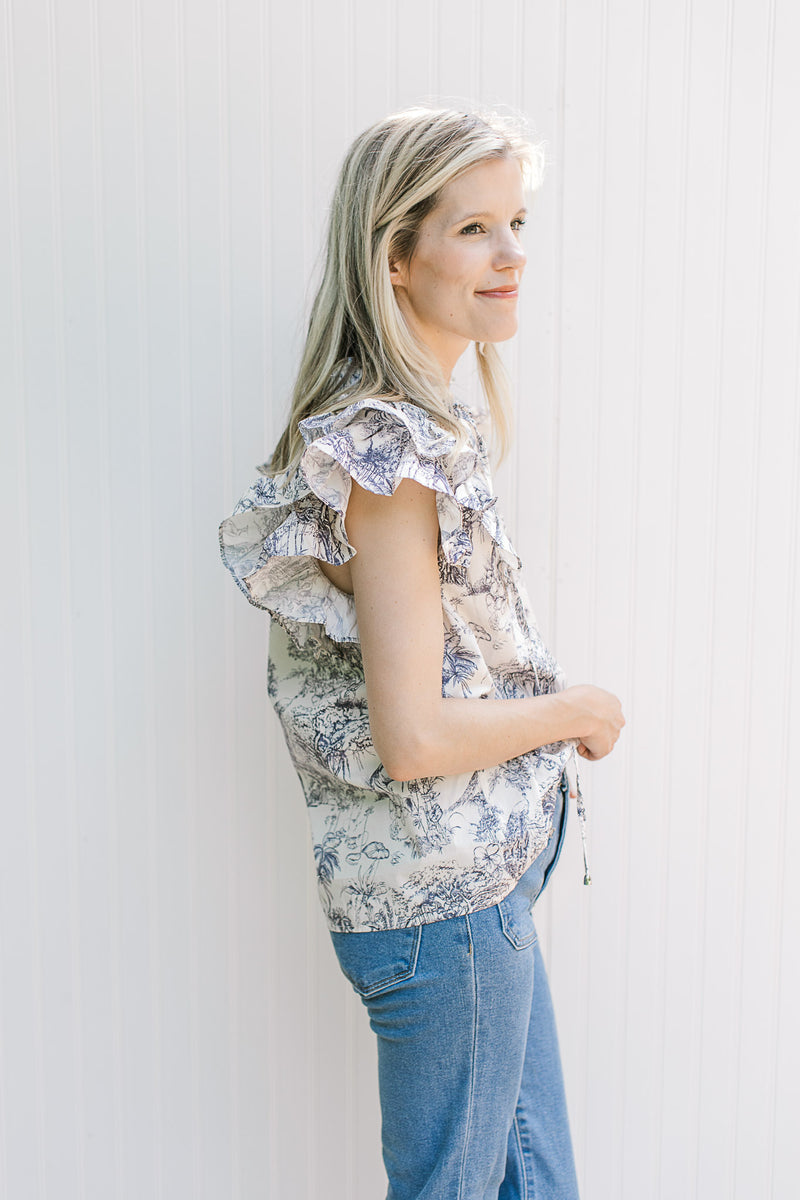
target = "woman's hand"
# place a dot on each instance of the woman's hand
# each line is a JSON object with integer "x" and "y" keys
{"x": 600, "y": 715}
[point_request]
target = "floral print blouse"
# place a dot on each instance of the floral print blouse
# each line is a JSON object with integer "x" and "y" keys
{"x": 392, "y": 854}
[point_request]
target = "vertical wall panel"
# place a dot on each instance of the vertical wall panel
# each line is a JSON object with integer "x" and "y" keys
{"x": 172, "y": 1020}
{"x": 775, "y": 712}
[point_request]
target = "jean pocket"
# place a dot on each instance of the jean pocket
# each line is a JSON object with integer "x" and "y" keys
{"x": 516, "y": 918}
{"x": 379, "y": 960}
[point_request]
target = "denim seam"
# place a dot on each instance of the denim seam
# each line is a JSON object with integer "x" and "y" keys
{"x": 471, "y": 1104}
{"x": 525, "y": 1140}
{"x": 523, "y": 1170}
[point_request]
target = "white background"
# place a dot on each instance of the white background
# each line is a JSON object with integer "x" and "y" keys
{"x": 172, "y": 1024}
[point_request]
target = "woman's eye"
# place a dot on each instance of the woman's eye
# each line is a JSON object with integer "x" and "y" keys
{"x": 474, "y": 228}
{"x": 518, "y": 222}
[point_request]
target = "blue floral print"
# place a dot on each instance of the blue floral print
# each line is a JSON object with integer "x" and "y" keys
{"x": 392, "y": 854}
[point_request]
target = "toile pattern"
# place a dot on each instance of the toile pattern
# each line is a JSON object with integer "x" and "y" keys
{"x": 391, "y": 854}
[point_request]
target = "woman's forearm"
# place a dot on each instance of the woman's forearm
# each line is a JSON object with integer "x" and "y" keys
{"x": 470, "y": 734}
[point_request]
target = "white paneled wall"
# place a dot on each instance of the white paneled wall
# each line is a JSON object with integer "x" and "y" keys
{"x": 172, "y": 1024}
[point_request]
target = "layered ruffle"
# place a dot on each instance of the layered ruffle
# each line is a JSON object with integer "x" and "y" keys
{"x": 283, "y": 524}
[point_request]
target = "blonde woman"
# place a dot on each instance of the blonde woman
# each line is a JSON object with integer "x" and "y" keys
{"x": 431, "y": 729}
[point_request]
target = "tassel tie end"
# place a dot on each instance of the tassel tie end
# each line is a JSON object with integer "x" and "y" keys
{"x": 575, "y": 790}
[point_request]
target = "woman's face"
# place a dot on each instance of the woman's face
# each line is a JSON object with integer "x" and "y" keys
{"x": 461, "y": 283}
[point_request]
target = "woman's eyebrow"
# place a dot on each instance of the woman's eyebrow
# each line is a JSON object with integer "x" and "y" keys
{"x": 521, "y": 211}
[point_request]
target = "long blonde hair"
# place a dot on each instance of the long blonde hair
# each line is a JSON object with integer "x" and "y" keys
{"x": 359, "y": 343}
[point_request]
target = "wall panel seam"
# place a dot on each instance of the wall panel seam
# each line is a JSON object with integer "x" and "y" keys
{"x": 103, "y": 382}
{"x": 27, "y": 634}
{"x": 186, "y": 492}
{"x": 786, "y": 739}
{"x": 64, "y": 523}
{"x": 597, "y": 328}
{"x": 714, "y": 497}
{"x": 751, "y": 575}
{"x": 148, "y": 590}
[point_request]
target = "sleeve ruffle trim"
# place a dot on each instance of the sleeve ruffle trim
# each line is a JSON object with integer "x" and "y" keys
{"x": 284, "y": 523}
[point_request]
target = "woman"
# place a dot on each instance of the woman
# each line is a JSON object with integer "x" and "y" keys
{"x": 430, "y": 727}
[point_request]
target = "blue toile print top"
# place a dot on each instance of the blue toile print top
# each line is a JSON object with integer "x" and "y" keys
{"x": 392, "y": 854}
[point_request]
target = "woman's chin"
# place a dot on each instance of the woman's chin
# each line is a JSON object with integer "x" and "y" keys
{"x": 498, "y": 333}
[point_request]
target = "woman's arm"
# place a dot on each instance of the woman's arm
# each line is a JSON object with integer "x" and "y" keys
{"x": 415, "y": 730}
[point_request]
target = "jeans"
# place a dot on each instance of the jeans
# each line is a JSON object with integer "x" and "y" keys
{"x": 472, "y": 1096}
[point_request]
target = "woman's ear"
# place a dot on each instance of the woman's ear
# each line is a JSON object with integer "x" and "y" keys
{"x": 398, "y": 274}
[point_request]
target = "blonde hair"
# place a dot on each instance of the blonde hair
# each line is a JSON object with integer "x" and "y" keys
{"x": 359, "y": 343}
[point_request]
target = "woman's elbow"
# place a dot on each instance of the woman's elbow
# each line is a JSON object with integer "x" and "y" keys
{"x": 406, "y": 758}
{"x": 402, "y": 771}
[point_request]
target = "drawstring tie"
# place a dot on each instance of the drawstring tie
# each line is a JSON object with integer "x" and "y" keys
{"x": 573, "y": 778}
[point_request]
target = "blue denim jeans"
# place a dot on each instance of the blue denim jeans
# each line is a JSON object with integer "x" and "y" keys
{"x": 472, "y": 1096}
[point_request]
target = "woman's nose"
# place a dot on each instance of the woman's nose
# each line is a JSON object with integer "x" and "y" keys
{"x": 510, "y": 253}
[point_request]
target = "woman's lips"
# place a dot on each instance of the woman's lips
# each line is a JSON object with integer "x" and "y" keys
{"x": 504, "y": 293}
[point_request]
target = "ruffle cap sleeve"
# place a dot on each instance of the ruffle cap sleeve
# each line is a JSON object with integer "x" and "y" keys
{"x": 284, "y": 523}
{"x": 379, "y": 443}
